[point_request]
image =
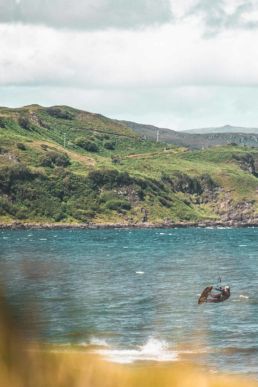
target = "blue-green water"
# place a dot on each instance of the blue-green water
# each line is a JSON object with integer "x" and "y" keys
{"x": 134, "y": 292}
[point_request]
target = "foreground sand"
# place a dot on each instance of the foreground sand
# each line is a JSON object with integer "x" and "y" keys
{"x": 27, "y": 365}
{"x": 36, "y": 369}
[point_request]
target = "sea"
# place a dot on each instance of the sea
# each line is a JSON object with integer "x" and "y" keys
{"x": 131, "y": 295}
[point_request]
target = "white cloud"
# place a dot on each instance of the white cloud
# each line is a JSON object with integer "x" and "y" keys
{"x": 86, "y": 14}
{"x": 173, "y": 55}
{"x": 165, "y": 74}
{"x": 220, "y": 15}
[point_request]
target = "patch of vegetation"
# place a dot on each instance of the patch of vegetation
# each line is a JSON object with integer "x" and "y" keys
{"x": 110, "y": 178}
{"x": 24, "y": 122}
{"x": 51, "y": 159}
{"x": 110, "y": 145}
{"x": 59, "y": 113}
{"x": 86, "y": 144}
{"x": 2, "y": 122}
{"x": 181, "y": 182}
{"x": 21, "y": 146}
{"x": 118, "y": 205}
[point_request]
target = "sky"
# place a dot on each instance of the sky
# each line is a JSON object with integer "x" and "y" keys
{"x": 178, "y": 64}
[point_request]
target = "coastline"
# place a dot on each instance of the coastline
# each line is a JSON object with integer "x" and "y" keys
{"x": 204, "y": 224}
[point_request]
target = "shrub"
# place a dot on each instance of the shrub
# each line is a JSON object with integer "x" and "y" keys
{"x": 111, "y": 178}
{"x": 59, "y": 113}
{"x": 10, "y": 175}
{"x": 3, "y": 150}
{"x": 110, "y": 145}
{"x": 108, "y": 195}
{"x": 118, "y": 204}
{"x": 140, "y": 194}
{"x": 2, "y": 122}
{"x": 164, "y": 202}
{"x": 184, "y": 183}
{"x": 51, "y": 159}
{"x": 21, "y": 213}
{"x": 24, "y": 122}
{"x": 83, "y": 215}
{"x": 21, "y": 146}
{"x": 46, "y": 161}
{"x": 47, "y": 206}
{"x": 86, "y": 144}
{"x": 61, "y": 160}
{"x": 4, "y": 205}
{"x": 207, "y": 182}
{"x": 115, "y": 159}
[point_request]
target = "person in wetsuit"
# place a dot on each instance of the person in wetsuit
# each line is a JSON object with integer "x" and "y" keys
{"x": 223, "y": 295}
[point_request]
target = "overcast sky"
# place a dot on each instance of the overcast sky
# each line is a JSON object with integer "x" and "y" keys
{"x": 174, "y": 63}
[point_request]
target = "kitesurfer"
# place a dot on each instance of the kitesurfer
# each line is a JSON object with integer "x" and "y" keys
{"x": 223, "y": 295}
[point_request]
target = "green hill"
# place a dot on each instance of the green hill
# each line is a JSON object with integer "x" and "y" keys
{"x": 66, "y": 166}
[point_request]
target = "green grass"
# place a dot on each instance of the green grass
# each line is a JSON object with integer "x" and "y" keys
{"x": 58, "y": 193}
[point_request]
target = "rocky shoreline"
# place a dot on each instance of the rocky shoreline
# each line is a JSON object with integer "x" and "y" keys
{"x": 205, "y": 224}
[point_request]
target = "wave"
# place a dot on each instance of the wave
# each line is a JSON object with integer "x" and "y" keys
{"x": 97, "y": 341}
{"x": 152, "y": 350}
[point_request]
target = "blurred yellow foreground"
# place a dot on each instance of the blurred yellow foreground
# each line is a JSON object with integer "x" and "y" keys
{"x": 23, "y": 365}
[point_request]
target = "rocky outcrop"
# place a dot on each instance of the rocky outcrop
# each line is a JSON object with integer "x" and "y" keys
{"x": 246, "y": 162}
{"x": 253, "y": 222}
{"x": 193, "y": 185}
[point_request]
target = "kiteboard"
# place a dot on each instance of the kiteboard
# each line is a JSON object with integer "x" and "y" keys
{"x": 205, "y": 293}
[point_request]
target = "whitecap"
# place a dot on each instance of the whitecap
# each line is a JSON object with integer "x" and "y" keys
{"x": 98, "y": 341}
{"x": 139, "y": 272}
{"x": 154, "y": 350}
{"x": 243, "y": 296}
{"x": 43, "y": 239}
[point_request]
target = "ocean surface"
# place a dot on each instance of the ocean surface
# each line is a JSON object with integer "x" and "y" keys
{"x": 132, "y": 295}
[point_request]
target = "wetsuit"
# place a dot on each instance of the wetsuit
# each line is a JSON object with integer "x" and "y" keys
{"x": 219, "y": 297}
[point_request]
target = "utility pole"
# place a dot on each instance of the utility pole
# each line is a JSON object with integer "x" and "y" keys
{"x": 158, "y": 135}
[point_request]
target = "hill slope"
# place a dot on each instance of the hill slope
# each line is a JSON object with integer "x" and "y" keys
{"x": 62, "y": 165}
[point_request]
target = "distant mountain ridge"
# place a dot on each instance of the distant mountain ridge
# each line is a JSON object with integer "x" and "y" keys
{"x": 196, "y": 140}
{"x": 223, "y": 129}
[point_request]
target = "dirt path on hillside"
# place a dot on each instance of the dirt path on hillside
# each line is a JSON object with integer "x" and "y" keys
{"x": 72, "y": 154}
{"x": 150, "y": 154}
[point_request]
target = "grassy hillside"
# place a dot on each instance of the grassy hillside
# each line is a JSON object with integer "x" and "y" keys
{"x": 64, "y": 165}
